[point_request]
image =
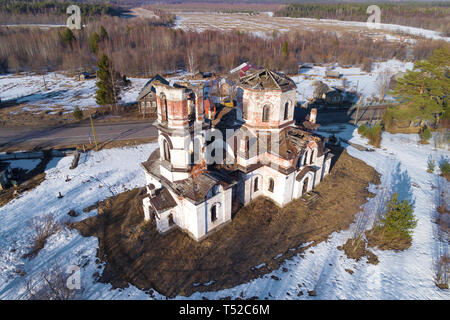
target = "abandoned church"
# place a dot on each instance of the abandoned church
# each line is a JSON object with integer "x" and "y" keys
{"x": 190, "y": 188}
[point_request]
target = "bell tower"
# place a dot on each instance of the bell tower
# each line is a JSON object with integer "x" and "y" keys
{"x": 181, "y": 125}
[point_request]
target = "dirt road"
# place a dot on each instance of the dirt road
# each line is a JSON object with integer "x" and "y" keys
{"x": 31, "y": 137}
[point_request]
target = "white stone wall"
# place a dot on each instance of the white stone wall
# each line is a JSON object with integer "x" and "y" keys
{"x": 283, "y": 186}
{"x": 196, "y": 219}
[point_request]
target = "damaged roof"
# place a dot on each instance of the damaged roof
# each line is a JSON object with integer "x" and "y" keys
{"x": 163, "y": 200}
{"x": 266, "y": 79}
{"x": 195, "y": 189}
{"x": 294, "y": 141}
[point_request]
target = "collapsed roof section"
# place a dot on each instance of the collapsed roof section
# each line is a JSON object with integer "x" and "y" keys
{"x": 266, "y": 79}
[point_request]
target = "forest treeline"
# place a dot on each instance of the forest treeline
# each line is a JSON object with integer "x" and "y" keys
{"x": 57, "y": 7}
{"x": 51, "y": 11}
{"x": 431, "y": 15}
{"x": 138, "y": 47}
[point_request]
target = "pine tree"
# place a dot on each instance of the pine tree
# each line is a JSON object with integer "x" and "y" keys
{"x": 398, "y": 219}
{"x": 285, "y": 49}
{"x": 103, "y": 34}
{"x": 67, "y": 37}
{"x": 93, "y": 42}
{"x": 107, "y": 87}
{"x": 424, "y": 90}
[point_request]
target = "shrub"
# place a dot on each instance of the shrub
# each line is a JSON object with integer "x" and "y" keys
{"x": 42, "y": 228}
{"x": 398, "y": 220}
{"x": 373, "y": 133}
{"x": 425, "y": 134}
{"x": 51, "y": 285}
{"x": 77, "y": 113}
{"x": 431, "y": 165}
{"x": 444, "y": 166}
{"x": 388, "y": 119}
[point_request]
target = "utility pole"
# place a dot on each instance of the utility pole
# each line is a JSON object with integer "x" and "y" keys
{"x": 93, "y": 132}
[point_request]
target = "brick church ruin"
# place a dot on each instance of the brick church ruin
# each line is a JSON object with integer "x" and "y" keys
{"x": 201, "y": 174}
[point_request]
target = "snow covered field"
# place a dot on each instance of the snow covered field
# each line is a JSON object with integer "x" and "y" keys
{"x": 265, "y": 24}
{"x": 54, "y": 91}
{"x": 403, "y": 275}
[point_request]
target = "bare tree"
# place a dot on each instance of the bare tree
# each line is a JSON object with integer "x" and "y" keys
{"x": 382, "y": 83}
{"x": 191, "y": 60}
{"x": 51, "y": 285}
{"x": 42, "y": 228}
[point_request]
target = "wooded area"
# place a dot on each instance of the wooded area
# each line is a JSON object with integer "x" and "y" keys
{"x": 427, "y": 15}
{"x": 140, "y": 47}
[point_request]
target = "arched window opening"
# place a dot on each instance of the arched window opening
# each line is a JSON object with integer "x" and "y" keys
{"x": 213, "y": 213}
{"x": 247, "y": 143}
{"x": 212, "y": 146}
{"x": 255, "y": 186}
{"x": 164, "y": 112}
{"x": 170, "y": 219}
{"x": 312, "y": 157}
{"x": 271, "y": 185}
{"x": 286, "y": 110}
{"x": 266, "y": 112}
{"x": 166, "y": 150}
{"x": 305, "y": 185}
{"x": 191, "y": 104}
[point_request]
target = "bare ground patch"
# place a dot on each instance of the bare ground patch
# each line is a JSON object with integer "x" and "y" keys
{"x": 259, "y": 234}
{"x": 356, "y": 249}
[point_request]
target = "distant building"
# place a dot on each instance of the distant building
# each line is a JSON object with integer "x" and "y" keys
{"x": 332, "y": 74}
{"x": 243, "y": 69}
{"x": 189, "y": 189}
{"x": 146, "y": 98}
{"x": 303, "y": 67}
{"x": 326, "y": 94}
{"x": 86, "y": 75}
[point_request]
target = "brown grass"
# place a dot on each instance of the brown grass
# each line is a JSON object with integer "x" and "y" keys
{"x": 356, "y": 249}
{"x": 377, "y": 238}
{"x": 136, "y": 253}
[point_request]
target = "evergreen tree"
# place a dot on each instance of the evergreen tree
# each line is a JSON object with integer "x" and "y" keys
{"x": 285, "y": 49}
{"x": 93, "y": 42}
{"x": 431, "y": 165}
{"x": 107, "y": 88}
{"x": 77, "y": 113}
{"x": 424, "y": 90}
{"x": 425, "y": 134}
{"x": 103, "y": 34}
{"x": 398, "y": 219}
{"x": 67, "y": 37}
